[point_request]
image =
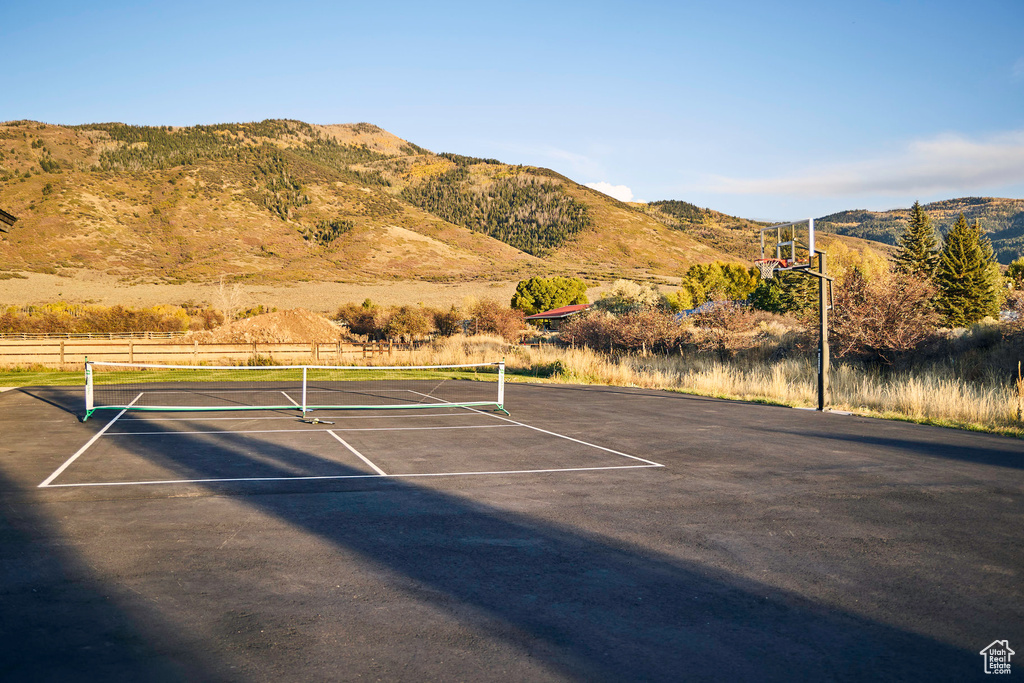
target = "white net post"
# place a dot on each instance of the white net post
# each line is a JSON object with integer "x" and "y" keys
{"x": 501, "y": 385}
{"x": 305, "y": 385}
{"x": 89, "y": 401}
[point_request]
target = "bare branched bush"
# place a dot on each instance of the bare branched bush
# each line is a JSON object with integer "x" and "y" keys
{"x": 644, "y": 329}
{"x": 721, "y": 323}
{"x": 229, "y": 298}
{"x": 881, "y": 318}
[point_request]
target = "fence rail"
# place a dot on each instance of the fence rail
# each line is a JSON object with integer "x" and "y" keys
{"x": 61, "y": 352}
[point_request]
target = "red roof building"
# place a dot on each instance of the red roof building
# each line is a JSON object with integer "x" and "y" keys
{"x": 553, "y": 318}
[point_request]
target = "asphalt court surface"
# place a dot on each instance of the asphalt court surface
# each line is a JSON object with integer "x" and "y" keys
{"x": 598, "y": 533}
{"x": 140, "y": 449}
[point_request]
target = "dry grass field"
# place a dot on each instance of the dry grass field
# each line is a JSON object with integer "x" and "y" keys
{"x": 324, "y": 297}
{"x": 91, "y": 287}
{"x": 933, "y": 396}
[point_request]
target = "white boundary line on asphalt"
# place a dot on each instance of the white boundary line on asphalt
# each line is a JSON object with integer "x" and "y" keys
{"x": 83, "y": 449}
{"x": 362, "y": 457}
{"x": 379, "y": 472}
{"x": 561, "y": 436}
{"x": 350, "y": 476}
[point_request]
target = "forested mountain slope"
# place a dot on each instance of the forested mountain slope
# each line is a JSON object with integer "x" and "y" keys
{"x": 283, "y": 200}
{"x": 1001, "y": 219}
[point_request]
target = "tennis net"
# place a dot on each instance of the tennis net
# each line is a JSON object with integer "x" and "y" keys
{"x": 133, "y": 386}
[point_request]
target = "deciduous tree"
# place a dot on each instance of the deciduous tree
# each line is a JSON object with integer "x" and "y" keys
{"x": 545, "y": 293}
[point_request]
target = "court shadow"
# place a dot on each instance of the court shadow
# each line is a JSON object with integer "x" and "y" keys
{"x": 67, "y": 399}
{"x": 587, "y": 607}
{"x": 1011, "y": 456}
{"x": 58, "y": 622}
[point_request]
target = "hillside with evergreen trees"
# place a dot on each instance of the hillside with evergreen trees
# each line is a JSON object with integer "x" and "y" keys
{"x": 283, "y": 200}
{"x": 1001, "y": 220}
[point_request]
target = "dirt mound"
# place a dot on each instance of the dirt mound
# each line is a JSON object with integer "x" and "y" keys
{"x": 292, "y": 326}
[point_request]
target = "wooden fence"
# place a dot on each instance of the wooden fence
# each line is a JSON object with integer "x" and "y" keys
{"x": 64, "y": 352}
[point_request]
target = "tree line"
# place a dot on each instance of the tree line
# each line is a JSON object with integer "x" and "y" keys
{"x": 531, "y": 215}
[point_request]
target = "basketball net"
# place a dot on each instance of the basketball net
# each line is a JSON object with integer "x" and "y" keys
{"x": 767, "y": 267}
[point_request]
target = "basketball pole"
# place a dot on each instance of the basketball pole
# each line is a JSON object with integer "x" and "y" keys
{"x": 824, "y": 281}
{"x": 824, "y": 287}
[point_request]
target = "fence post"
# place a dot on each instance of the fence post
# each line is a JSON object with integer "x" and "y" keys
{"x": 131, "y": 351}
{"x": 195, "y": 351}
{"x": 62, "y": 352}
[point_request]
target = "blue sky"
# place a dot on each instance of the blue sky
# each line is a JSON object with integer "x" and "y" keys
{"x": 772, "y": 110}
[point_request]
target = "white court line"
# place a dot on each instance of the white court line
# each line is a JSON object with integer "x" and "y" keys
{"x": 301, "y": 431}
{"x": 291, "y": 399}
{"x": 352, "y": 476}
{"x": 360, "y": 455}
{"x": 560, "y": 436}
{"x": 83, "y": 449}
{"x": 648, "y": 463}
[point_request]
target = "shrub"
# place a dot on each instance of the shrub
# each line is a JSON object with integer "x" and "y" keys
{"x": 722, "y": 322}
{"x": 718, "y": 281}
{"x": 544, "y": 294}
{"x": 407, "y": 323}
{"x": 204, "y": 319}
{"x": 626, "y": 296}
{"x": 645, "y": 329}
{"x": 489, "y": 316}
{"x": 361, "y": 319}
{"x": 447, "y": 323}
{"x": 881, "y": 318}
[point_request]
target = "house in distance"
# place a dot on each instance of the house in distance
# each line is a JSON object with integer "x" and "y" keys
{"x": 552, "y": 320}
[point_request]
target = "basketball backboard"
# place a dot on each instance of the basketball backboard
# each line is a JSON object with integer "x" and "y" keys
{"x": 790, "y": 244}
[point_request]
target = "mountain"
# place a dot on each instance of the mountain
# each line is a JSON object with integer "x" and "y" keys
{"x": 731, "y": 234}
{"x": 1001, "y": 219}
{"x": 283, "y": 201}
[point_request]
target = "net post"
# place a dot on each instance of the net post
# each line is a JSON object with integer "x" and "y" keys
{"x": 501, "y": 386}
{"x": 89, "y": 401}
{"x": 304, "y": 369}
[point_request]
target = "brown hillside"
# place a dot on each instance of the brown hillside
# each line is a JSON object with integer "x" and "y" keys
{"x": 91, "y": 199}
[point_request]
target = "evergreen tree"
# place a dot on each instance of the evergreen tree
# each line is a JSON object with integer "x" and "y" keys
{"x": 918, "y": 252}
{"x": 787, "y": 292}
{"x": 967, "y": 276}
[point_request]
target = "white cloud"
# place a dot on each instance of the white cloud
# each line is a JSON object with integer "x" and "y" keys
{"x": 944, "y": 164}
{"x": 620, "y": 192}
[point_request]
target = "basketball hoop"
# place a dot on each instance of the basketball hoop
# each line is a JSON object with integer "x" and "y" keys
{"x": 767, "y": 266}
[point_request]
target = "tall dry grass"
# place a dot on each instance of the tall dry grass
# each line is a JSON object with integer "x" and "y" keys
{"x": 936, "y": 395}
